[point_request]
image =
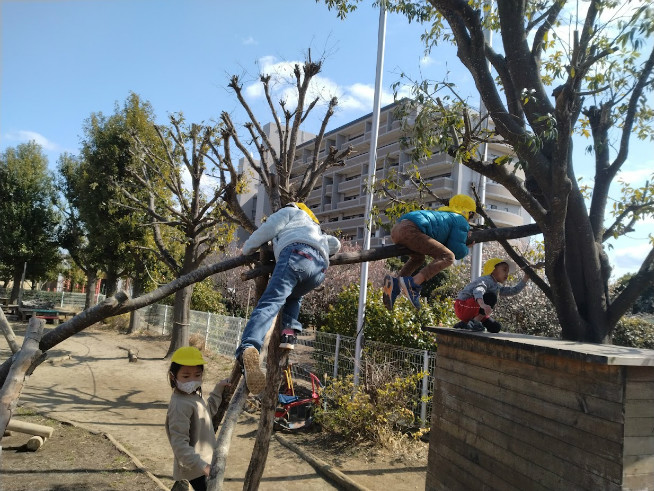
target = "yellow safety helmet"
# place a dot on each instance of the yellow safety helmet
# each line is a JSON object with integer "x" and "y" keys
{"x": 189, "y": 356}
{"x": 306, "y": 209}
{"x": 489, "y": 265}
{"x": 463, "y": 204}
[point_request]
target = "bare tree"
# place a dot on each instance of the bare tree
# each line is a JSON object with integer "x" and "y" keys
{"x": 196, "y": 220}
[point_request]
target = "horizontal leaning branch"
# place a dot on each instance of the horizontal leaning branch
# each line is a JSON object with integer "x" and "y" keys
{"x": 385, "y": 252}
{"x": 120, "y": 303}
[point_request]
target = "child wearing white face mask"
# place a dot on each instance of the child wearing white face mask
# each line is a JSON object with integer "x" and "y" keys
{"x": 188, "y": 422}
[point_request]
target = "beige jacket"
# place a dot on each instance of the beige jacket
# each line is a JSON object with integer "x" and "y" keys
{"x": 190, "y": 431}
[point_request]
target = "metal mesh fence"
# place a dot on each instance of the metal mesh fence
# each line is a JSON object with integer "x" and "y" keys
{"x": 221, "y": 333}
{"x": 321, "y": 353}
{"x": 334, "y": 355}
{"x": 69, "y": 300}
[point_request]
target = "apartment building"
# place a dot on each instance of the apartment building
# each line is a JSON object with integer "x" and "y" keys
{"x": 339, "y": 199}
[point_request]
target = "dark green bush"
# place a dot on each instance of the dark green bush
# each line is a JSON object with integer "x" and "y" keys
{"x": 372, "y": 413}
{"x": 634, "y": 331}
{"x": 402, "y": 327}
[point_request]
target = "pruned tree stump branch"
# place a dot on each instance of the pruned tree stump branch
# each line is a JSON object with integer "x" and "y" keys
{"x": 132, "y": 354}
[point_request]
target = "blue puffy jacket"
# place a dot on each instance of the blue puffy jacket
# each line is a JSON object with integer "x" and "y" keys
{"x": 448, "y": 228}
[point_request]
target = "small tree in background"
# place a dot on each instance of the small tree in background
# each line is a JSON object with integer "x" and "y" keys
{"x": 173, "y": 172}
{"x": 28, "y": 217}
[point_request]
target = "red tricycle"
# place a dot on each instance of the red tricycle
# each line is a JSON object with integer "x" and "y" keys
{"x": 295, "y": 412}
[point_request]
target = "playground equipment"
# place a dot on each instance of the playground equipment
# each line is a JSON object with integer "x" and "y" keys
{"x": 294, "y": 412}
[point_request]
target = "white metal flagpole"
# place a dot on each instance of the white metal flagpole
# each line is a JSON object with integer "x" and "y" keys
{"x": 372, "y": 166}
{"x": 476, "y": 263}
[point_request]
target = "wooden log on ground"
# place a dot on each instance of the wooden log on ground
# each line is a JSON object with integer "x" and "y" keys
{"x": 34, "y": 443}
{"x": 30, "y": 428}
{"x": 132, "y": 354}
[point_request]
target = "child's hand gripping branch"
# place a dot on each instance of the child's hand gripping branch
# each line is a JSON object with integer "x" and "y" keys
{"x": 188, "y": 421}
{"x": 302, "y": 253}
{"x": 475, "y": 303}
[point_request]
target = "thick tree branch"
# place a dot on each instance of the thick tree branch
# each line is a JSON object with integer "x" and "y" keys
{"x": 121, "y": 304}
{"x": 23, "y": 364}
{"x": 385, "y": 252}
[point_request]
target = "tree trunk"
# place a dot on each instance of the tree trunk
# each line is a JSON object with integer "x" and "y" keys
{"x": 111, "y": 284}
{"x": 91, "y": 282}
{"x": 15, "y": 289}
{"x": 135, "y": 316}
{"x": 181, "y": 313}
{"x": 221, "y": 450}
{"x": 277, "y": 358}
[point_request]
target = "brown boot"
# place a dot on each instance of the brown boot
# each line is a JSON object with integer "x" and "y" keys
{"x": 254, "y": 377}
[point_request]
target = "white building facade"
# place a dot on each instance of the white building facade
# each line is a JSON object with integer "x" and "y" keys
{"x": 339, "y": 198}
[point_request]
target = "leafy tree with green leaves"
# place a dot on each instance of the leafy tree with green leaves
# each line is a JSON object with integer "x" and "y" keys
{"x": 28, "y": 215}
{"x": 113, "y": 231}
{"x": 73, "y": 235}
{"x": 542, "y": 92}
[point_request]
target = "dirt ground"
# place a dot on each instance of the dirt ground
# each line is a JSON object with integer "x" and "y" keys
{"x": 89, "y": 382}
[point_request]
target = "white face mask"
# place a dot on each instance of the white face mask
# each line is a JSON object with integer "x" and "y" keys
{"x": 190, "y": 386}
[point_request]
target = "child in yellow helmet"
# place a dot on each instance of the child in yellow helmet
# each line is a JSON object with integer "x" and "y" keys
{"x": 188, "y": 421}
{"x": 441, "y": 234}
{"x": 476, "y": 301}
{"x": 302, "y": 254}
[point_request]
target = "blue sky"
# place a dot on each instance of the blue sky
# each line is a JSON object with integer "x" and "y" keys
{"x": 63, "y": 60}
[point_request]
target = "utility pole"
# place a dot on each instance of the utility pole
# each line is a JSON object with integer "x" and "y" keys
{"x": 372, "y": 167}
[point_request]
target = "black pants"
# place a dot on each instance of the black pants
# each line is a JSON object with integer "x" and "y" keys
{"x": 489, "y": 299}
{"x": 199, "y": 483}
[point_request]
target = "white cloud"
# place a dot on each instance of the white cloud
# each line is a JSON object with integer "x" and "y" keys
{"x": 628, "y": 259}
{"x": 637, "y": 176}
{"x": 250, "y": 41}
{"x": 356, "y": 97}
{"x": 207, "y": 183}
{"x": 427, "y": 61}
{"x": 24, "y": 136}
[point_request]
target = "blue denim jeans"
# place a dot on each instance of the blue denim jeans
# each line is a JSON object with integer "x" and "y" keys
{"x": 299, "y": 269}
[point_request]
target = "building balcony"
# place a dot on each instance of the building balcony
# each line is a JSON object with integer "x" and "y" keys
{"x": 500, "y": 193}
{"x": 505, "y": 218}
{"x": 441, "y": 186}
{"x": 349, "y": 225}
{"x": 350, "y": 205}
{"x": 350, "y": 185}
{"x": 314, "y": 194}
